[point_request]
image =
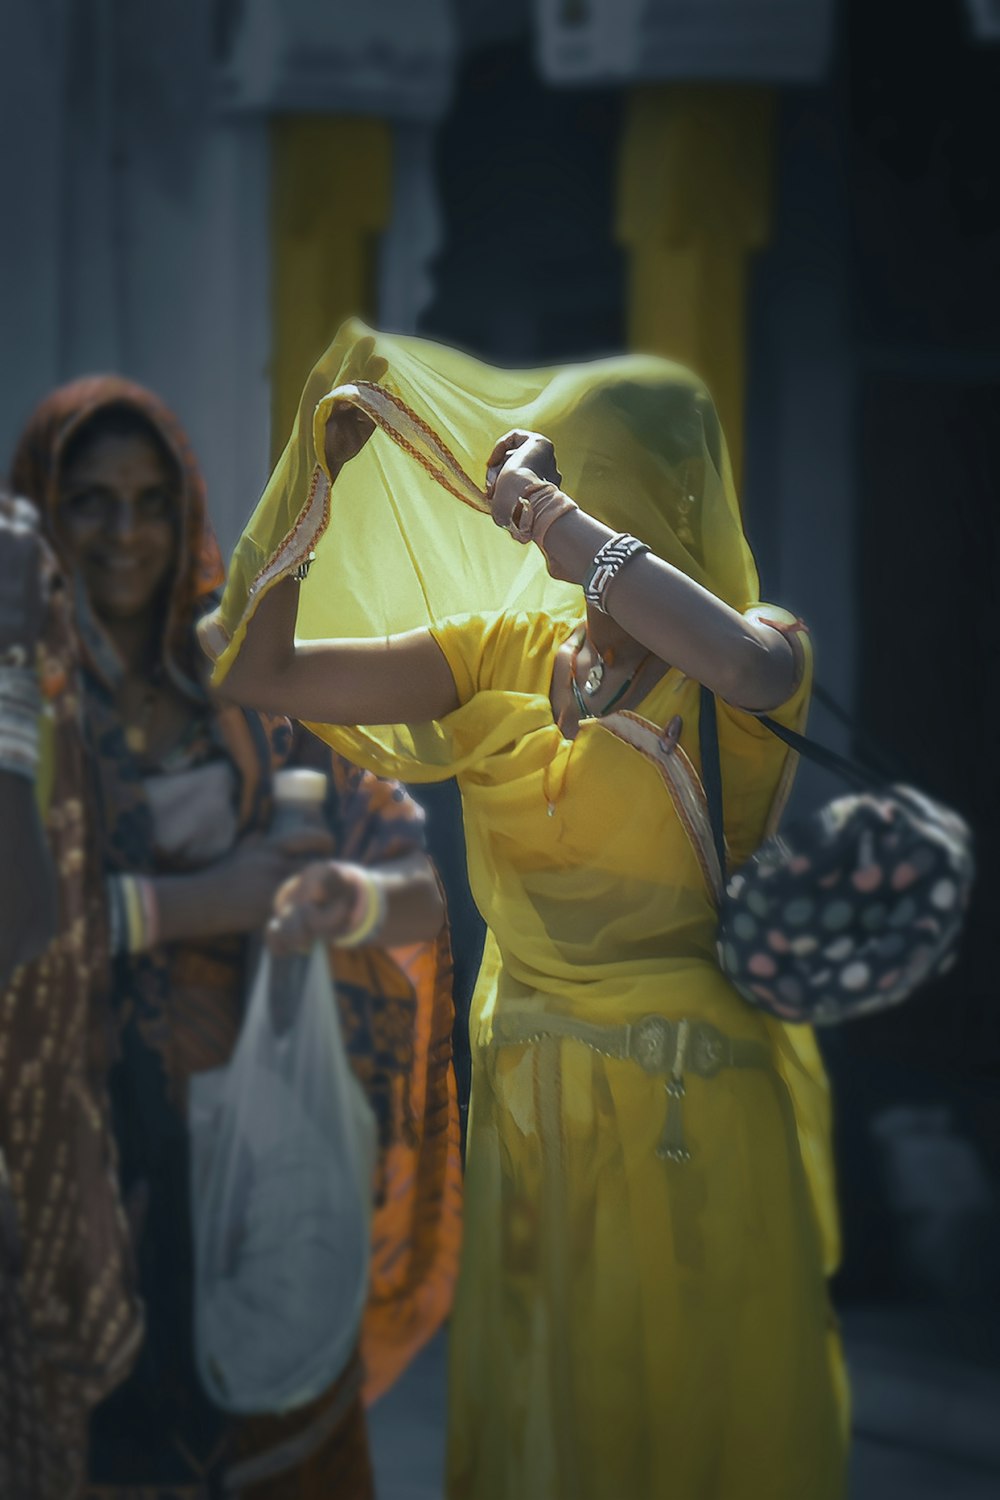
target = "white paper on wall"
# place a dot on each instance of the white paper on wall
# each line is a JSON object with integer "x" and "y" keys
{"x": 617, "y": 41}
{"x": 395, "y": 61}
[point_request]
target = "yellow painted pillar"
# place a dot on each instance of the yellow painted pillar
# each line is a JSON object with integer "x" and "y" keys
{"x": 694, "y": 205}
{"x": 331, "y": 197}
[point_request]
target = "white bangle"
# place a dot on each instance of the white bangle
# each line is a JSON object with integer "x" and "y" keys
{"x": 607, "y": 564}
{"x": 20, "y": 712}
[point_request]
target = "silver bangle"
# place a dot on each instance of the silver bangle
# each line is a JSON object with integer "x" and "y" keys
{"x": 607, "y": 564}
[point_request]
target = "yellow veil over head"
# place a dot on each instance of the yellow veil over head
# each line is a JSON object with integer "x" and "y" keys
{"x": 637, "y": 439}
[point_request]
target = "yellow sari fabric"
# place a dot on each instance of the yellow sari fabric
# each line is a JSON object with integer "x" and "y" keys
{"x": 625, "y": 1325}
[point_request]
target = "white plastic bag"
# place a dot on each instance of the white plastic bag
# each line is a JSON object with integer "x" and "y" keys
{"x": 282, "y": 1156}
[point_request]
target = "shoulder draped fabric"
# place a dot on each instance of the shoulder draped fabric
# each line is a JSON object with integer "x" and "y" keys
{"x": 177, "y": 1010}
{"x": 70, "y": 1317}
{"x": 587, "y": 1254}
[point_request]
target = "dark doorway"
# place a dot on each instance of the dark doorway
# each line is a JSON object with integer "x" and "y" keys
{"x": 918, "y": 1090}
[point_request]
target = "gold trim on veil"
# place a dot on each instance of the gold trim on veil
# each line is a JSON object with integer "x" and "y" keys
{"x": 638, "y": 442}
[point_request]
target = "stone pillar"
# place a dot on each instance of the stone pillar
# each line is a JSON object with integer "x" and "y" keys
{"x": 694, "y": 207}
{"x": 331, "y": 199}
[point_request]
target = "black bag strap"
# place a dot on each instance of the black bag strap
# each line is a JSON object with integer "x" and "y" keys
{"x": 876, "y": 756}
{"x": 850, "y": 771}
{"x": 711, "y": 765}
{"x": 711, "y": 773}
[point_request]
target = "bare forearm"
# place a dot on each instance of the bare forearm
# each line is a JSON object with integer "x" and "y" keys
{"x": 746, "y": 663}
{"x": 414, "y": 910}
{"x": 268, "y": 648}
{"x": 398, "y": 680}
{"x": 267, "y": 671}
{"x": 185, "y": 909}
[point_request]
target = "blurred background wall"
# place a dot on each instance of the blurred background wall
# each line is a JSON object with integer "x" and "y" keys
{"x": 801, "y": 198}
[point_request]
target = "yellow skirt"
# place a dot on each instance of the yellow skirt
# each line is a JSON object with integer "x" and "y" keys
{"x": 630, "y": 1327}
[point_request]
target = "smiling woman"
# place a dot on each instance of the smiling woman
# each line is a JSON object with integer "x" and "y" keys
{"x": 118, "y": 506}
{"x": 184, "y": 788}
{"x": 117, "y": 517}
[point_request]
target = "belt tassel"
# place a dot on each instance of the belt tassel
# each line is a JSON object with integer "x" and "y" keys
{"x": 673, "y": 1146}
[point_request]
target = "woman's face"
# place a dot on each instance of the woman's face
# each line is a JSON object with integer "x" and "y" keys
{"x": 118, "y": 504}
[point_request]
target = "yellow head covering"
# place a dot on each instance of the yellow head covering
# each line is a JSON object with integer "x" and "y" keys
{"x": 637, "y": 439}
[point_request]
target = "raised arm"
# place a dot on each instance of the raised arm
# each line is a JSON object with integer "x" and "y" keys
{"x": 403, "y": 679}
{"x": 749, "y": 664}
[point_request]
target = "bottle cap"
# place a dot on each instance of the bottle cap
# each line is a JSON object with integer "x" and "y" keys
{"x": 298, "y": 784}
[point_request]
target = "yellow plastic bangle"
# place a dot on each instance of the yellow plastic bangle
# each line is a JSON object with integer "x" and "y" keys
{"x": 134, "y": 923}
{"x": 372, "y": 918}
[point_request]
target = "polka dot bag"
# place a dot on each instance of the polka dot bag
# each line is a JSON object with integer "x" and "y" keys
{"x": 849, "y": 910}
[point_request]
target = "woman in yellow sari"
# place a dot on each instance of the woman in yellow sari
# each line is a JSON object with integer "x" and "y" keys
{"x": 642, "y": 1308}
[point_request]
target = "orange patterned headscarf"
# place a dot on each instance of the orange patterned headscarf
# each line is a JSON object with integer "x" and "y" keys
{"x": 36, "y": 471}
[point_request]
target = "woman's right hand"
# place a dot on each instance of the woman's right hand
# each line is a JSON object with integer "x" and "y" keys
{"x": 251, "y": 877}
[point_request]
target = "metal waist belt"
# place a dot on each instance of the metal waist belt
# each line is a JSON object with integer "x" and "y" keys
{"x": 662, "y": 1048}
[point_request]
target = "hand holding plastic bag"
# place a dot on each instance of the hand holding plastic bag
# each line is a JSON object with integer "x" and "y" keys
{"x": 283, "y": 1151}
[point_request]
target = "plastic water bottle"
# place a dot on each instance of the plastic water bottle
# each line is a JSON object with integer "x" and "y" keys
{"x": 299, "y": 798}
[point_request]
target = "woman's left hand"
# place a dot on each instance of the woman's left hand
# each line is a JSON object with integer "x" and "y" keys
{"x": 314, "y": 906}
{"x": 511, "y": 484}
{"x": 347, "y": 431}
{"x": 349, "y": 428}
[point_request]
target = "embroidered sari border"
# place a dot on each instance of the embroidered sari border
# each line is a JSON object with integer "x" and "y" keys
{"x": 682, "y": 783}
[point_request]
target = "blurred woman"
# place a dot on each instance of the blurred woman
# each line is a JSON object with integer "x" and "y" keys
{"x": 184, "y": 791}
{"x": 70, "y": 1319}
